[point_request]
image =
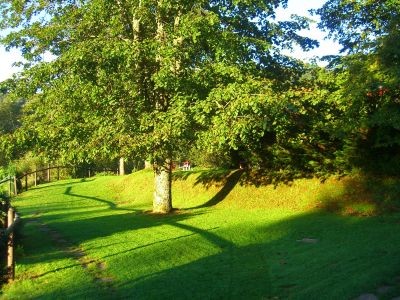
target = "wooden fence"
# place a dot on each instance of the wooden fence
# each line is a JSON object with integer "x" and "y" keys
{"x": 89, "y": 172}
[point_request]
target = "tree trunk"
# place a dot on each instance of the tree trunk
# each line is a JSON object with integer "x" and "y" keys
{"x": 162, "y": 202}
{"x": 147, "y": 164}
{"x": 121, "y": 167}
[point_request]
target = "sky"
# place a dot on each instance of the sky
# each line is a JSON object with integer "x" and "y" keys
{"x": 299, "y": 7}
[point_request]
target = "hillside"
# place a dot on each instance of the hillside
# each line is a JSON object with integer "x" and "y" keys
{"x": 227, "y": 239}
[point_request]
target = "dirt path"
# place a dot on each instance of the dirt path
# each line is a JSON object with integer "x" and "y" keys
{"x": 96, "y": 268}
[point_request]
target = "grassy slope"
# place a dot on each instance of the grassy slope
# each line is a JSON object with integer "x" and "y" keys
{"x": 227, "y": 240}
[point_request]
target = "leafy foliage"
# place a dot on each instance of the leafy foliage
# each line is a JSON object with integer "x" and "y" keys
{"x": 360, "y": 26}
{"x": 127, "y": 75}
{"x": 369, "y": 31}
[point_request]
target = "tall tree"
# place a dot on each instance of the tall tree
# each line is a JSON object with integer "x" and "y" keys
{"x": 133, "y": 77}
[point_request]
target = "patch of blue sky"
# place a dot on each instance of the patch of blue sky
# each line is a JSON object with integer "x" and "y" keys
{"x": 302, "y": 8}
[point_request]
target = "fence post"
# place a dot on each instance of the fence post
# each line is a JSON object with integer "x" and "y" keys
{"x": 10, "y": 246}
{"x": 89, "y": 173}
{"x": 26, "y": 182}
{"x": 48, "y": 172}
{"x": 15, "y": 186}
{"x": 35, "y": 177}
{"x": 58, "y": 173}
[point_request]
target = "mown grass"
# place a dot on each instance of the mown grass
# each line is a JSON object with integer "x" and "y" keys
{"x": 226, "y": 240}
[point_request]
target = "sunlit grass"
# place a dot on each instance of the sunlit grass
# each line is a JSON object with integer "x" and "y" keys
{"x": 227, "y": 240}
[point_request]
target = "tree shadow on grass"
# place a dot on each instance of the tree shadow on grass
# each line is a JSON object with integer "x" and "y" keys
{"x": 345, "y": 261}
{"x": 351, "y": 255}
{"x": 88, "y": 228}
{"x": 94, "y": 227}
{"x": 53, "y": 185}
{"x": 262, "y": 177}
{"x": 229, "y": 181}
{"x": 205, "y": 177}
{"x": 57, "y": 206}
{"x": 255, "y": 177}
{"x": 360, "y": 194}
{"x": 53, "y": 255}
{"x": 111, "y": 205}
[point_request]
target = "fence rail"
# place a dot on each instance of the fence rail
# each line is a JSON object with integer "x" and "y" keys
{"x": 13, "y": 180}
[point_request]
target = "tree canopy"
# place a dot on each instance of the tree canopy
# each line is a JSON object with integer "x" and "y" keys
{"x": 137, "y": 78}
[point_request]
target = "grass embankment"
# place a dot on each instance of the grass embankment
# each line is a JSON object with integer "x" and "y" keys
{"x": 94, "y": 239}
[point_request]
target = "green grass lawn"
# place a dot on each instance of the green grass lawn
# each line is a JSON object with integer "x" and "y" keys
{"x": 95, "y": 239}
